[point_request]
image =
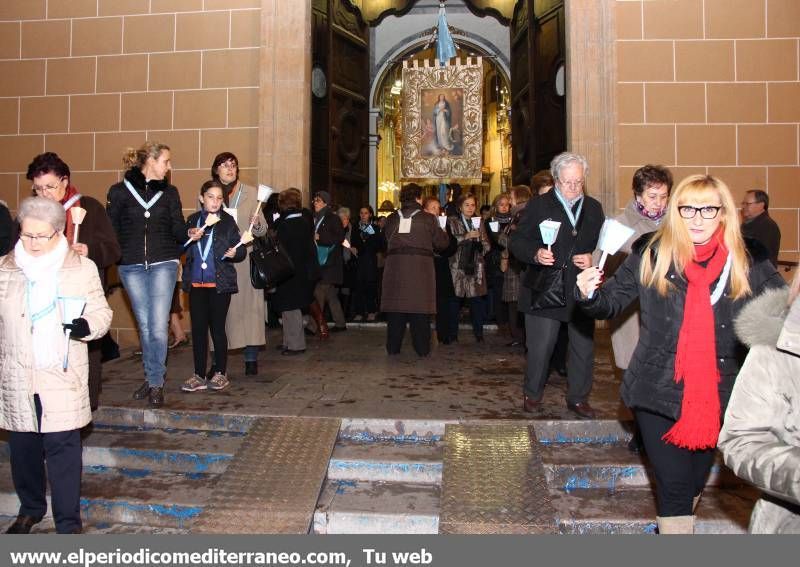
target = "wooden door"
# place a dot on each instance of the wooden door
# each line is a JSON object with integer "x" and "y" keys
{"x": 340, "y": 119}
{"x": 538, "y": 99}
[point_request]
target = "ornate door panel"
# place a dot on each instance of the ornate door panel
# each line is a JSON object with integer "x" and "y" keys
{"x": 340, "y": 122}
{"x": 320, "y": 145}
{"x": 538, "y": 112}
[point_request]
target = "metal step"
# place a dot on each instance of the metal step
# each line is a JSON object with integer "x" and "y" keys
{"x": 46, "y": 526}
{"x": 351, "y": 507}
{"x": 388, "y": 461}
{"x": 120, "y": 496}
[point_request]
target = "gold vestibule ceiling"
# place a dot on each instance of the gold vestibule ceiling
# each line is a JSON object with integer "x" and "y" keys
{"x": 373, "y": 11}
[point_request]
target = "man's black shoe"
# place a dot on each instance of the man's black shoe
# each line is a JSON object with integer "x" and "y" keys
{"x": 250, "y": 368}
{"x": 142, "y": 391}
{"x": 22, "y": 525}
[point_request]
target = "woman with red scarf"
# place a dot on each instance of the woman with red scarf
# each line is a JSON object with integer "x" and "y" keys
{"x": 50, "y": 178}
{"x": 692, "y": 276}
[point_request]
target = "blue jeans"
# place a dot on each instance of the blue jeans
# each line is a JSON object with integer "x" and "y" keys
{"x": 150, "y": 292}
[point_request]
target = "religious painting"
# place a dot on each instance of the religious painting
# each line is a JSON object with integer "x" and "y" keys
{"x": 442, "y": 122}
{"x": 442, "y": 116}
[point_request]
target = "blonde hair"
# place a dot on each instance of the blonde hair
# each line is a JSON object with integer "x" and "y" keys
{"x": 137, "y": 158}
{"x": 505, "y": 195}
{"x": 673, "y": 242}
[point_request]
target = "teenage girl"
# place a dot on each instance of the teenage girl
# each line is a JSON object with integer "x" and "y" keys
{"x": 210, "y": 280}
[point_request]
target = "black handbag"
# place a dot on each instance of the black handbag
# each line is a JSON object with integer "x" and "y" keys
{"x": 269, "y": 265}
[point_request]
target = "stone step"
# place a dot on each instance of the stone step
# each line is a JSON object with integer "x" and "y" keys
{"x": 120, "y": 496}
{"x": 570, "y": 466}
{"x": 633, "y": 511}
{"x": 46, "y": 526}
{"x": 166, "y": 419}
{"x": 559, "y": 431}
{"x": 169, "y": 450}
{"x": 351, "y": 507}
{"x": 387, "y": 461}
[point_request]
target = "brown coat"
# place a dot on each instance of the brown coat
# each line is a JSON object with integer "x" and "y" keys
{"x": 409, "y": 277}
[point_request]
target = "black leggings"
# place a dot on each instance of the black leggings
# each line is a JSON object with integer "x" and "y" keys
{"x": 209, "y": 310}
{"x": 681, "y": 474}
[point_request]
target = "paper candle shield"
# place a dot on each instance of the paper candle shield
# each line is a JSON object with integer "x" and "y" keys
{"x": 494, "y": 226}
{"x": 476, "y": 222}
{"x": 71, "y": 308}
{"x": 613, "y": 235}
{"x": 264, "y": 191}
{"x": 442, "y": 222}
{"x": 549, "y": 230}
{"x": 77, "y": 214}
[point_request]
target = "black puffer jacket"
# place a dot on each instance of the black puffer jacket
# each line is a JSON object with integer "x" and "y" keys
{"x": 146, "y": 240}
{"x": 226, "y": 234}
{"x": 649, "y": 381}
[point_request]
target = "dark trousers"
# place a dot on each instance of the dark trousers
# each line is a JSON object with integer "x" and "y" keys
{"x": 62, "y": 452}
{"x": 495, "y": 307}
{"x": 681, "y": 474}
{"x": 515, "y": 330}
{"x": 365, "y": 298}
{"x": 477, "y": 314}
{"x": 542, "y": 334}
{"x": 420, "y": 324}
{"x": 209, "y": 310}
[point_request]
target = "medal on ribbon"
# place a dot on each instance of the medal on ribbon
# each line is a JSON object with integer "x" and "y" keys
{"x": 145, "y": 205}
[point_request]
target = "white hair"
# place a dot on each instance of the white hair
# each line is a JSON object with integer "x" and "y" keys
{"x": 44, "y": 210}
{"x": 564, "y": 159}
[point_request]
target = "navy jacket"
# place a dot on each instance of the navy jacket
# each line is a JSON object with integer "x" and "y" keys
{"x": 226, "y": 234}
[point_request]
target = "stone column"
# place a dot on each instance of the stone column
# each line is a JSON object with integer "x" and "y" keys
{"x": 284, "y": 137}
{"x": 591, "y": 108}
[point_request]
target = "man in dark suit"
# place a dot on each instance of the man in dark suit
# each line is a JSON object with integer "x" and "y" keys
{"x": 547, "y": 301}
{"x": 758, "y": 225}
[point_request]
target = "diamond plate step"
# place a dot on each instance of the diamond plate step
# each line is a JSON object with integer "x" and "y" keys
{"x": 115, "y": 496}
{"x": 273, "y": 482}
{"x": 570, "y": 466}
{"x": 387, "y": 461}
{"x": 350, "y": 507}
{"x": 493, "y": 481}
{"x": 633, "y": 511}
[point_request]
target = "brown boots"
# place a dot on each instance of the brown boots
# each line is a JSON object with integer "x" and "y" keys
{"x": 319, "y": 319}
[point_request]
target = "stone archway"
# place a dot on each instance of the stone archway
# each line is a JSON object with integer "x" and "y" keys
{"x": 285, "y": 97}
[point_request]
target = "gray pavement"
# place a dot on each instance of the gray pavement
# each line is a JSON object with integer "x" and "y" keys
{"x": 350, "y": 375}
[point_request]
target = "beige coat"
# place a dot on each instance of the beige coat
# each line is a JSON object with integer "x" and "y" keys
{"x": 760, "y": 438}
{"x": 64, "y": 395}
{"x": 625, "y": 328}
{"x": 245, "y": 323}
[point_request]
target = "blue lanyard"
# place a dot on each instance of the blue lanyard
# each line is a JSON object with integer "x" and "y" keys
{"x": 145, "y": 205}
{"x": 467, "y": 223}
{"x": 40, "y": 314}
{"x": 573, "y": 218}
{"x": 238, "y": 196}
{"x": 204, "y": 253}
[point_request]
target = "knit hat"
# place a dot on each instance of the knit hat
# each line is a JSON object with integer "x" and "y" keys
{"x": 324, "y": 195}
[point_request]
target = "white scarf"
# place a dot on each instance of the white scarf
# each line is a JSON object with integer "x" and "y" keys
{"x": 41, "y": 298}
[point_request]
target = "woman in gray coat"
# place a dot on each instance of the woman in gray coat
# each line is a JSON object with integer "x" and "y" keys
{"x": 760, "y": 438}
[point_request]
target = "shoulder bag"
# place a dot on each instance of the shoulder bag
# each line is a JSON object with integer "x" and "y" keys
{"x": 270, "y": 266}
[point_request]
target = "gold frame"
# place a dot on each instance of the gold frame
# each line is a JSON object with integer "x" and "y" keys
{"x": 465, "y": 167}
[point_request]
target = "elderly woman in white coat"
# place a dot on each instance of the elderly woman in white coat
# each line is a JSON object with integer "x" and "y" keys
{"x": 245, "y": 323}
{"x": 760, "y": 438}
{"x": 44, "y": 404}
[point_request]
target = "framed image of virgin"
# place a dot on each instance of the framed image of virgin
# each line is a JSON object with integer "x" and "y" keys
{"x": 442, "y": 122}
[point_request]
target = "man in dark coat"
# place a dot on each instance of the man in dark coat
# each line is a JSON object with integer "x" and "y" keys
{"x": 409, "y": 278}
{"x": 758, "y": 225}
{"x": 329, "y": 234}
{"x": 6, "y": 229}
{"x": 581, "y": 218}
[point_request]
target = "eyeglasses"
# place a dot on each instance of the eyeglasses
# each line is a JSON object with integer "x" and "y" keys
{"x": 230, "y": 164}
{"x": 36, "y": 237}
{"x": 46, "y": 188}
{"x": 746, "y": 203}
{"x": 708, "y": 212}
{"x": 572, "y": 184}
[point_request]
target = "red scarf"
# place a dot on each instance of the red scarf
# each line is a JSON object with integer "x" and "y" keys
{"x": 70, "y": 226}
{"x": 696, "y": 360}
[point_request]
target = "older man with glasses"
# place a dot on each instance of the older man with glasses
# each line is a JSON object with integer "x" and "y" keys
{"x": 547, "y": 292}
{"x": 758, "y": 225}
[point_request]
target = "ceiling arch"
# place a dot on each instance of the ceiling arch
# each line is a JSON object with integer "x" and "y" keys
{"x": 373, "y": 11}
